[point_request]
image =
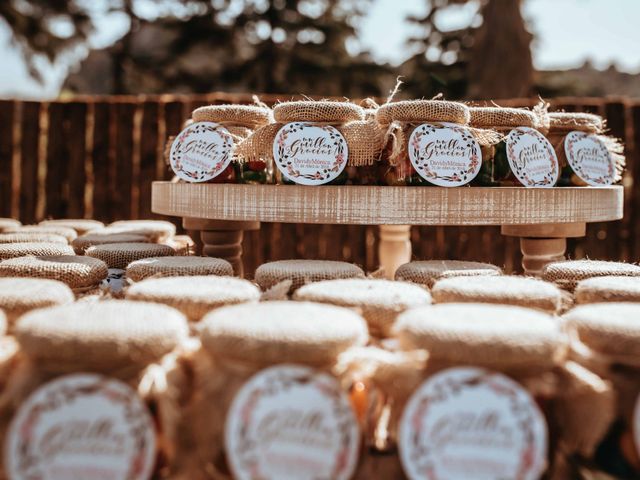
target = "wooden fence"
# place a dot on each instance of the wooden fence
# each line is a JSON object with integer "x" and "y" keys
{"x": 96, "y": 157}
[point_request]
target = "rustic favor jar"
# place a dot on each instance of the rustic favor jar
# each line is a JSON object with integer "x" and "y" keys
{"x": 270, "y": 405}
{"x": 195, "y": 296}
{"x": 179, "y": 266}
{"x": 378, "y": 301}
{"x": 301, "y": 272}
{"x": 83, "y": 275}
{"x": 606, "y": 339}
{"x": 13, "y": 250}
{"x": 80, "y": 225}
{"x": 430, "y": 271}
{"x": 503, "y": 289}
{"x": 8, "y": 223}
{"x": 608, "y": 289}
{"x": 499, "y": 399}
{"x": 26, "y": 237}
{"x": 21, "y": 295}
{"x": 317, "y": 143}
{"x": 428, "y": 142}
{"x": 66, "y": 232}
{"x": 567, "y": 274}
{"x": 91, "y": 393}
{"x": 586, "y": 156}
{"x": 523, "y": 157}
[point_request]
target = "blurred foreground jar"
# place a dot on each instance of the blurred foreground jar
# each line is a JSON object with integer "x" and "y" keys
{"x": 498, "y": 398}
{"x": 204, "y": 150}
{"x": 522, "y": 155}
{"x": 92, "y": 394}
{"x": 80, "y": 225}
{"x": 606, "y": 339}
{"x": 8, "y": 223}
{"x": 269, "y": 405}
{"x": 428, "y": 142}
{"x": 586, "y": 155}
{"x": 317, "y": 143}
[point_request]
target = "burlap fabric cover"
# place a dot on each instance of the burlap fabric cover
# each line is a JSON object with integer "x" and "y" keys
{"x": 3, "y": 324}
{"x": 238, "y": 341}
{"x": 504, "y": 289}
{"x": 13, "y": 250}
{"x": 568, "y": 273}
{"x": 530, "y": 347}
{"x": 301, "y": 272}
{"x": 80, "y": 225}
{"x": 429, "y": 271}
{"x": 79, "y": 273}
{"x": 8, "y": 223}
{"x": 20, "y": 295}
{"x": 194, "y": 296}
{"x": 364, "y": 137}
{"x": 22, "y": 237}
{"x": 120, "y": 255}
{"x": 83, "y": 242}
{"x": 178, "y": 267}
{"x": 134, "y": 342}
{"x": 239, "y": 120}
{"x": 379, "y": 301}
{"x": 504, "y": 119}
{"x": 608, "y": 289}
{"x": 68, "y": 233}
{"x": 157, "y": 230}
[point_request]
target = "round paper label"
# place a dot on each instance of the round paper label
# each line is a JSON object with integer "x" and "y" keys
{"x": 201, "y": 152}
{"x": 473, "y": 424}
{"x": 78, "y": 427}
{"x": 310, "y": 154}
{"x": 291, "y": 422}
{"x": 589, "y": 158}
{"x": 115, "y": 282}
{"x": 445, "y": 154}
{"x": 532, "y": 158}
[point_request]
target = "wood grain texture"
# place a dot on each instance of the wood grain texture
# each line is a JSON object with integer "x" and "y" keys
{"x": 388, "y": 205}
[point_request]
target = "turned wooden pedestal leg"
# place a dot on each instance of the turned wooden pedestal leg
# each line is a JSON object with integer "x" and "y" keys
{"x": 394, "y": 248}
{"x": 222, "y": 239}
{"x": 543, "y": 244}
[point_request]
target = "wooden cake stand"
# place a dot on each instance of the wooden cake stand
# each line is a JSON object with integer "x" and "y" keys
{"x": 542, "y": 218}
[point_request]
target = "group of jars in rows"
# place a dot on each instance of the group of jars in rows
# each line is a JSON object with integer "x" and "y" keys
{"x": 417, "y": 143}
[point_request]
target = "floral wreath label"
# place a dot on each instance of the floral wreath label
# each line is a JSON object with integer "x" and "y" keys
{"x": 445, "y": 154}
{"x": 201, "y": 152}
{"x": 81, "y": 426}
{"x": 310, "y": 154}
{"x": 532, "y": 158}
{"x": 473, "y": 424}
{"x": 291, "y": 422}
{"x": 589, "y": 158}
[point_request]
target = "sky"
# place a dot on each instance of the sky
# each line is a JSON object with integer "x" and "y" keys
{"x": 568, "y": 32}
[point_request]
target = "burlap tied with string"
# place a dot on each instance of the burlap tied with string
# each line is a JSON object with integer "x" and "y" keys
{"x": 66, "y": 232}
{"x": 562, "y": 123}
{"x": 567, "y": 274}
{"x": 120, "y": 255}
{"x": 13, "y": 250}
{"x": 80, "y": 225}
{"x": 363, "y": 136}
{"x": 427, "y": 272}
{"x": 21, "y": 295}
{"x": 136, "y": 343}
{"x": 180, "y": 266}
{"x": 25, "y": 237}
{"x": 239, "y": 120}
{"x": 526, "y": 345}
{"x": 237, "y": 342}
{"x": 503, "y": 120}
{"x": 608, "y": 289}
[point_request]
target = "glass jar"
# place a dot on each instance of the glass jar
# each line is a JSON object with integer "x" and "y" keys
{"x": 521, "y": 155}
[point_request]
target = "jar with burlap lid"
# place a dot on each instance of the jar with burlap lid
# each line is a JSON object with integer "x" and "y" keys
{"x": 567, "y": 274}
{"x": 158, "y": 231}
{"x": 87, "y": 240}
{"x": 427, "y": 272}
{"x": 8, "y": 223}
{"x": 242, "y": 340}
{"x": 504, "y": 289}
{"x": 608, "y": 289}
{"x": 522, "y": 155}
{"x": 317, "y": 143}
{"x": 507, "y": 366}
{"x": 195, "y": 296}
{"x": 301, "y": 272}
{"x": 224, "y": 126}
{"x": 21, "y": 295}
{"x": 83, "y": 275}
{"x": 80, "y": 225}
{"x": 66, "y": 232}
{"x": 428, "y": 142}
{"x": 179, "y": 266}
{"x": 26, "y": 237}
{"x": 13, "y": 250}
{"x": 378, "y": 301}
{"x": 606, "y": 339}
{"x": 134, "y": 343}
{"x": 587, "y": 156}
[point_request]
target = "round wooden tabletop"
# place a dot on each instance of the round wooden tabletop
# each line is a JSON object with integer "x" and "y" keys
{"x": 362, "y": 205}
